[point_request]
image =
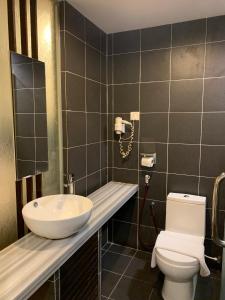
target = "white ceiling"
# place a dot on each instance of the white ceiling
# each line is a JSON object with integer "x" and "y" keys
{"x": 122, "y": 15}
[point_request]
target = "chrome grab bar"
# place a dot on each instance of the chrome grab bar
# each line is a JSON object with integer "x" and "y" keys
{"x": 215, "y": 234}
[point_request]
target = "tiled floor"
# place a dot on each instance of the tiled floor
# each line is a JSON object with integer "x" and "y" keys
{"x": 126, "y": 275}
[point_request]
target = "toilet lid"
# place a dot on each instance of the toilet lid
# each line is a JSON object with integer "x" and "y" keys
{"x": 177, "y": 258}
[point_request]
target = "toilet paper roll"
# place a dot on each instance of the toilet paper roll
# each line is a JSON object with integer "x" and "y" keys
{"x": 147, "y": 162}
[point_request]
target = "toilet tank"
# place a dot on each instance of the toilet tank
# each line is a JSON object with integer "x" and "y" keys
{"x": 186, "y": 214}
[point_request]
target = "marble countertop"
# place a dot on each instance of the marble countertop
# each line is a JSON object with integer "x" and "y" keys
{"x": 26, "y": 264}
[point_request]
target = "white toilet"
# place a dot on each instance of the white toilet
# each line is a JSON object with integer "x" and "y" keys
{"x": 185, "y": 214}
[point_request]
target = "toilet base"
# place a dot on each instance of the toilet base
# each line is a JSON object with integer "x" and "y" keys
{"x": 179, "y": 290}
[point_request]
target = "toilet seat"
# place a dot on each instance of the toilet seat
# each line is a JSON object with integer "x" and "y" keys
{"x": 176, "y": 258}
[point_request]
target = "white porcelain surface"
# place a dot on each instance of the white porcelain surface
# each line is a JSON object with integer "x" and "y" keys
{"x": 179, "y": 282}
{"x": 29, "y": 262}
{"x": 57, "y": 216}
{"x": 182, "y": 211}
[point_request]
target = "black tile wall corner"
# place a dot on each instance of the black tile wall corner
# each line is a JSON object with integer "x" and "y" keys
{"x": 173, "y": 75}
{"x": 84, "y": 100}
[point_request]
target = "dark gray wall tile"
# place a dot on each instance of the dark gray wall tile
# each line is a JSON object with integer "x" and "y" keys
{"x": 77, "y": 161}
{"x": 75, "y": 92}
{"x": 186, "y": 96}
{"x": 123, "y": 175}
{"x": 216, "y": 29}
{"x": 154, "y": 97}
{"x": 93, "y": 92}
{"x": 214, "y": 94}
{"x": 41, "y": 125}
{"x": 126, "y": 98}
{"x": 185, "y": 128}
{"x": 40, "y": 100}
{"x": 104, "y": 153}
{"x": 212, "y": 160}
{"x": 187, "y": 33}
{"x": 187, "y": 62}
{"x": 23, "y": 76}
{"x": 24, "y": 102}
{"x": 74, "y": 21}
{"x": 93, "y": 182}
{"x": 154, "y": 127}
{"x": 93, "y": 158}
{"x": 103, "y": 68}
{"x": 76, "y": 128}
{"x": 25, "y": 148}
{"x": 25, "y": 125}
{"x": 215, "y": 58}
{"x": 80, "y": 187}
{"x": 156, "y": 37}
{"x": 183, "y": 159}
{"x": 74, "y": 48}
{"x": 128, "y": 212}
{"x": 127, "y": 41}
{"x": 159, "y": 211}
{"x": 39, "y": 75}
{"x": 213, "y": 129}
{"x": 92, "y": 64}
{"x": 125, "y": 233}
{"x": 126, "y": 68}
{"x": 155, "y": 65}
{"x": 93, "y": 34}
{"x": 103, "y": 99}
{"x": 42, "y": 149}
{"x": 104, "y": 127}
{"x": 93, "y": 128}
{"x": 182, "y": 184}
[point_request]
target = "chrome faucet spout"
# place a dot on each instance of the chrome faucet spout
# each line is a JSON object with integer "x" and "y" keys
{"x": 70, "y": 184}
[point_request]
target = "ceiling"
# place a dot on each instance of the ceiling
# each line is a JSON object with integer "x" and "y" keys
{"x": 122, "y": 15}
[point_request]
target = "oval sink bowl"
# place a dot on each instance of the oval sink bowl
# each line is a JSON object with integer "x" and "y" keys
{"x": 57, "y": 216}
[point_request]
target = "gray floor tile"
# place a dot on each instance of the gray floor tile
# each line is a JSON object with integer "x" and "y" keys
{"x": 109, "y": 281}
{"x": 131, "y": 289}
{"x": 115, "y": 262}
{"x": 122, "y": 250}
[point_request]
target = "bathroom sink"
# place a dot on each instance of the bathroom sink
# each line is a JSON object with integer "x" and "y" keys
{"x": 57, "y": 216}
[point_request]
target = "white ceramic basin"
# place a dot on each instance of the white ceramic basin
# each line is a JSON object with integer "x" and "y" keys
{"x": 57, "y": 216}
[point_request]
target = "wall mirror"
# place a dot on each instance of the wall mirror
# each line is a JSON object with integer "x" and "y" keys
{"x": 30, "y": 117}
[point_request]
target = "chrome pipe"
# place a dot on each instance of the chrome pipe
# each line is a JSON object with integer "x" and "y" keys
{"x": 215, "y": 233}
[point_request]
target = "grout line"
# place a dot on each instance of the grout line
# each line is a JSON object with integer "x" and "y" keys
{"x": 126, "y": 276}
{"x": 172, "y": 80}
{"x": 203, "y": 93}
{"x": 84, "y": 77}
{"x": 122, "y": 275}
{"x": 85, "y": 97}
{"x": 168, "y": 48}
{"x": 138, "y": 138}
{"x": 168, "y": 120}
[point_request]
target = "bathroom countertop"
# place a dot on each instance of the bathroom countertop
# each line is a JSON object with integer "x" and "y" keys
{"x": 26, "y": 264}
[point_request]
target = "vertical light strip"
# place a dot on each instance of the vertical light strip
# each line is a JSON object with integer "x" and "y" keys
{"x": 11, "y": 25}
{"x": 203, "y": 93}
{"x": 85, "y": 101}
{"x": 7, "y": 149}
{"x": 17, "y": 26}
{"x": 28, "y": 28}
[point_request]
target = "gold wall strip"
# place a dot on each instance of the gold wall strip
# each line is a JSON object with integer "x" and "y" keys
{"x": 28, "y": 29}
{"x": 47, "y": 29}
{"x": 17, "y": 26}
{"x": 8, "y": 226}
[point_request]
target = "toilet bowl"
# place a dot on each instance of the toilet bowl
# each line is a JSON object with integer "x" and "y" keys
{"x": 180, "y": 274}
{"x": 185, "y": 216}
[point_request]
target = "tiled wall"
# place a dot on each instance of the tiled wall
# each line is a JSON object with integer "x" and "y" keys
{"x": 175, "y": 76}
{"x": 84, "y": 101}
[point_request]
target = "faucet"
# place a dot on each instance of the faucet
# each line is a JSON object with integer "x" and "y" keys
{"x": 70, "y": 184}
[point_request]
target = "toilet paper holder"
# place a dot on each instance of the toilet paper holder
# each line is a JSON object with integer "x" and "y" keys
{"x": 153, "y": 155}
